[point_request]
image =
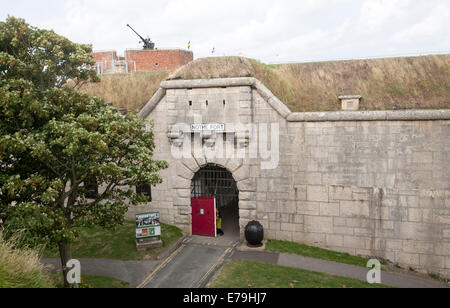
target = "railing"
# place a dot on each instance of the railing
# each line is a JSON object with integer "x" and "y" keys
{"x": 115, "y": 66}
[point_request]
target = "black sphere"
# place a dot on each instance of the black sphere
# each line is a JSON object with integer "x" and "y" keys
{"x": 254, "y": 233}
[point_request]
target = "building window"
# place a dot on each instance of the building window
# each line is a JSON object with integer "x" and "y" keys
{"x": 91, "y": 188}
{"x": 146, "y": 190}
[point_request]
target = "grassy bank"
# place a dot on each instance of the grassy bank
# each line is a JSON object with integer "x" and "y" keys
{"x": 99, "y": 282}
{"x": 91, "y": 281}
{"x": 131, "y": 91}
{"x": 385, "y": 84}
{"x": 248, "y": 274}
{"x": 20, "y": 267}
{"x": 118, "y": 244}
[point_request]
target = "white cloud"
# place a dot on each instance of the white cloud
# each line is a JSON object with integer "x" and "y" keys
{"x": 432, "y": 29}
{"x": 376, "y": 15}
{"x": 284, "y": 30}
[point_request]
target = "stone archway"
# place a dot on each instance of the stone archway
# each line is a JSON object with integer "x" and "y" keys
{"x": 185, "y": 170}
{"x": 214, "y": 180}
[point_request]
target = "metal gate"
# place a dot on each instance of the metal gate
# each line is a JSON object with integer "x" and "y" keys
{"x": 215, "y": 181}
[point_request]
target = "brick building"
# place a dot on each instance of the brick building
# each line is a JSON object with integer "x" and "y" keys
{"x": 136, "y": 60}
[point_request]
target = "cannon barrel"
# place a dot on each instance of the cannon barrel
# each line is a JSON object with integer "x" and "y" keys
{"x": 136, "y": 32}
{"x": 148, "y": 44}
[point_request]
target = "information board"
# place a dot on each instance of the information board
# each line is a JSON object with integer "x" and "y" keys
{"x": 148, "y": 225}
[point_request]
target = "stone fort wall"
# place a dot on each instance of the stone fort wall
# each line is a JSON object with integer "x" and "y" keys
{"x": 366, "y": 183}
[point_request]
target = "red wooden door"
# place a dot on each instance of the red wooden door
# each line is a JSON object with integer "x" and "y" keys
{"x": 204, "y": 216}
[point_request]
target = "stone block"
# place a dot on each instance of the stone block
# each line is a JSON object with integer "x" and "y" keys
{"x": 432, "y": 261}
{"x": 410, "y": 259}
{"x": 185, "y": 210}
{"x": 247, "y": 205}
{"x": 343, "y": 230}
{"x": 283, "y": 236}
{"x": 242, "y": 173}
{"x": 415, "y": 215}
{"x": 184, "y": 193}
{"x": 288, "y": 227}
{"x": 247, "y": 214}
{"x": 354, "y": 209}
{"x": 179, "y": 182}
{"x": 423, "y": 157}
{"x": 249, "y": 196}
{"x": 289, "y": 207}
{"x": 335, "y": 240}
{"x": 178, "y": 201}
{"x": 308, "y": 208}
{"x": 317, "y": 193}
{"x": 313, "y": 239}
{"x": 340, "y": 193}
{"x": 355, "y": 242}
{"x": 184, "y": 172}
{"x": 329, "y": 209}
{"x": 318, "y": 224}
{"x": 396, "y": 245}
{"x": 418, "y": 247}
{"x": 300, "y": 192}
{"x": 339, "y": 222}
{"x": 416, "y": 231}
{"x": 247, "y": 185}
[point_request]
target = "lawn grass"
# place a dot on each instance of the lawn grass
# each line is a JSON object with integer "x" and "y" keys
{"x": 99, "y": 282}
{"x": 249, "y": 274}
{"x": 317, "y": 253}
{"x": 91, "y": 281}
{"x": 119, "y": 244}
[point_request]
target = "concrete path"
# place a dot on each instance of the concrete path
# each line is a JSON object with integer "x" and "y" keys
{"x": 192, "y": 265}
{"x": 133, "y": 272}
{"x": 194, "y": 261}
{"x": 337, "y": 269}
{"x": 189, "y": 264}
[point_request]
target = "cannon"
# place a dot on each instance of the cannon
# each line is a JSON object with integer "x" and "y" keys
{"x": 148, "y": 44}
{"x": 254, "y": 234}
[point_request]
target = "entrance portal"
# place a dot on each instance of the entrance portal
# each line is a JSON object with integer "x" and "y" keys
{"x": 215, "y": 181}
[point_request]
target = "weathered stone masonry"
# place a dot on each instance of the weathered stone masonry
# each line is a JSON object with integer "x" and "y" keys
{"x": 372, "y": 183}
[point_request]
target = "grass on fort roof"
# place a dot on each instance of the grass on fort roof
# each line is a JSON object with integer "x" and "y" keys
{"x": 131, "y": 91}
{"x": 385, "y": 84}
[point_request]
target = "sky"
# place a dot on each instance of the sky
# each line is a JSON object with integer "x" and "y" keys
{"x": 271, "y": 31}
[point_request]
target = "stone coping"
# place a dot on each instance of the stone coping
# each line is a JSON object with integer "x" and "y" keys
{"x": 286, "y": 113}
{"x": 208, "y": 83}
{"x": 350, "y": 97}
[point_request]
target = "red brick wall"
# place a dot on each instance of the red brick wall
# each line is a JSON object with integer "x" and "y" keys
{"x": 147, "y": 60}
{"x": 104, "y": 58}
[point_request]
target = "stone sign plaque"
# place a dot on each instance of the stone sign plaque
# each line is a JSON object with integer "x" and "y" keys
{"x": 208, "y": 127}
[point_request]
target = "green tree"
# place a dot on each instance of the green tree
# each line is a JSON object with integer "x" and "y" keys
{"x": 55, "y": 142}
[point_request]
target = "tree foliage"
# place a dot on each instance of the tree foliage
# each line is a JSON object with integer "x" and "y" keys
{"x": 42, "y": 56}
{"x": 53, "y": 140}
